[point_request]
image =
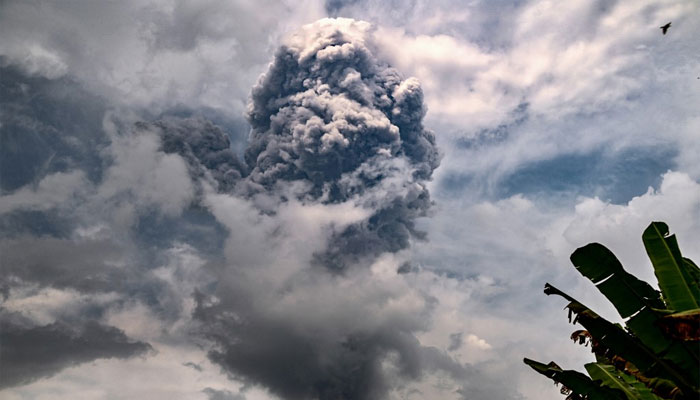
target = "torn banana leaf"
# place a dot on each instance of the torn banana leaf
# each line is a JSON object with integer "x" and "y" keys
{"x": 625, "y": 291}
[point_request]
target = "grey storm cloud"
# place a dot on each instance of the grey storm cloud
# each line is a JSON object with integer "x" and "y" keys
{"x": 33, "y": 352}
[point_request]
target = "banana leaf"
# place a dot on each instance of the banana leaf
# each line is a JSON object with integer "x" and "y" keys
{"x": 608, "y": 376}
{"x": 677, "y": 279}
{"x": 631, "y": 295}
{"x": 648, "y": 326}
{"x": 625, "y": 291}
{"x": 663, "y": 388}
{"x": 626, "y": 346}
{"x": 575, "y": 381}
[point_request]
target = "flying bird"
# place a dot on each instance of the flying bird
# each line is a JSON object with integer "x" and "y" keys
{"x": 665, "y": 28}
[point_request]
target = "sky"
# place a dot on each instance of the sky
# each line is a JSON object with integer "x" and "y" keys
{"x": 237, "y": 200}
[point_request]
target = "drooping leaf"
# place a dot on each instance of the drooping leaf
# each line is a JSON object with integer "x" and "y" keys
{"x": 625, "y": 291}
{"x": 606, "y": 333}
{"x": 577, "y": 382}
{"x": 621, "y": 343}
{"x": 671, "y": 271}
{"x": 609, "y": 376}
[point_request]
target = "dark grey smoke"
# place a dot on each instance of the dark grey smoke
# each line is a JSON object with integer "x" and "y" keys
{"x": 326, "y": 106}
{"x": 32, "y": 352}
{"x": 330, "y": 114}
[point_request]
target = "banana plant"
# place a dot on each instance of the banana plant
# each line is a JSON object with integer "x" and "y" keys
{"x": 656, "y": 356}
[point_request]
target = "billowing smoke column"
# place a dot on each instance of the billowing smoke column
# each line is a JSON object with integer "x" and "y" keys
{"x": 331, "y": 115}
{"x": 338, "y": 124}
{"x": 335, "y": 131}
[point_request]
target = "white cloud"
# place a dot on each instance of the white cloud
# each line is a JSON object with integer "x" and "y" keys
{"x": 44, "y": 306}
{"x": 592, "y": 75}
{"x": 143, "y": 177}
{"x": 62, "y": 189}
{"x": 676, "y": 202}
{"x": 562, "y": 59}
{"x": 153, "y": 54}
{"x": 37, "y": 60}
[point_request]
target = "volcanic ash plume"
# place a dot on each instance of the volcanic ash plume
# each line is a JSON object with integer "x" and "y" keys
{"x": 328, "y": 113}
{"x": 335, "y": 177}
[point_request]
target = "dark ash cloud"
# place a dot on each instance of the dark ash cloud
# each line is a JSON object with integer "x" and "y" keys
{"x": 33, "y": 352}
{"x": 329, "y": 114}
{"x": 326, "y": 106}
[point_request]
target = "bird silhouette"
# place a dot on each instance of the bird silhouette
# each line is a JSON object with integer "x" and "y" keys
{"x": 664, "y": 28}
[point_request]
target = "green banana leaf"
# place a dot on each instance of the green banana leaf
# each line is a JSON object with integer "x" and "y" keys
{"x": 675, "y": 276}
{"x": 577, "y": 382}
{"x": 631, "y": 295}
{"x": 610, "y": 377}
{"x": 626, "y": 346}
{"x": 648, "y": 326}
{"x": 693, "y": 273}
{"x": 625, "y": 291}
